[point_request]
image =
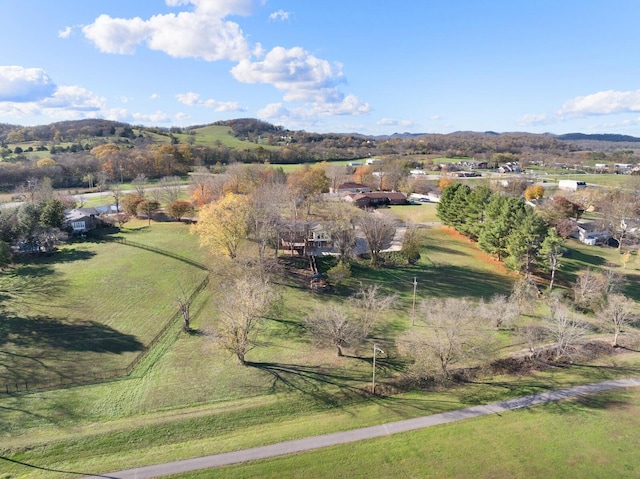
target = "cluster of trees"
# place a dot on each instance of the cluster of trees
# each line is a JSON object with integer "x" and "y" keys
{"x": 245, "y": 300}
{"x": 270, "y": 208}
{"x": 145, "y": 201}
{"x": 463, "y": 333}
{"x": 504, "y": 226}
{"x": 36, "y": 224}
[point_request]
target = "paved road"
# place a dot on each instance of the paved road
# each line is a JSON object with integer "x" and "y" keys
{"x": 317, "y": 442}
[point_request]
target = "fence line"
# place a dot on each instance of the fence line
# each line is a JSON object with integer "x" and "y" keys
{"x": 25, "y": 385}
{"x": 163, "y": 252}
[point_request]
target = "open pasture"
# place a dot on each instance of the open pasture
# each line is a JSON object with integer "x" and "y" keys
{"x": 91, "y": 307}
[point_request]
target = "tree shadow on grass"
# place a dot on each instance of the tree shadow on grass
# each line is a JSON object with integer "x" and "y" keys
{"x": 313, "y": 381}
{"x": 575, "y": 262}
{"x": 441, "y": 280}
{"x": 65, "y": 255}
{"x": 290, "y": 327}
{"x": 459, "y": 281}
{"x": 31, "y": 284}
{"x": 443, "y": 249}
{"x": 87, "y": 335}
{"x": 632, "y": 286}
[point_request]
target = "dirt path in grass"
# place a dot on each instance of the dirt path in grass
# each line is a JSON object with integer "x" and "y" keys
{"x": 317, "y": 442}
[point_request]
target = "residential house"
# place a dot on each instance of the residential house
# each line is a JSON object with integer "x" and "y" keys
{"x": 378, "y": 198}
{"x": 304, "y": 237}
{"x": 81, "y": 220}
{"x": 589, "y": 233}
{"x": 352, "y": 187}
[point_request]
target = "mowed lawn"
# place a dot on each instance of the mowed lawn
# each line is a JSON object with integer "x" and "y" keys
{"x": 591, "y": 437}
{"x": 93, "y": 306}
{"x": 418, "y": 213}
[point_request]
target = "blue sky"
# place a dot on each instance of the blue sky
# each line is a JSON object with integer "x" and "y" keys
{"x": 373, "y": 67}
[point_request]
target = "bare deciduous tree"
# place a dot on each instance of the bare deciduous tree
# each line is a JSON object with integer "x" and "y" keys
{"x": 265, "y": 205}
{"x": 617, "y": 312}
{"x": 378, "y": 230}
{"x": 332, "y": 325}
{"x": 342, "y": 218}
{"x": 455, "y": 335}
{"x": 591, "y": 289}
{"x": 565, "y": 328}
{"x": 612, "y": 282}
{"x": 337, "y": 174}
{"x": 184, "y": 306}
{"x": 170, "y": 188}
{"x": 370, "y": 304}
{"x": 117, "y": 194}
{"x": 242, "y": 305}
{"x": 500, "y": 310}
{"x": 140, "y": 184}
{"x": 534, "y": 336}
{"x": 618, "y": 208}
{"x": 524, "y": 295}
{"x": 587, "y": 290}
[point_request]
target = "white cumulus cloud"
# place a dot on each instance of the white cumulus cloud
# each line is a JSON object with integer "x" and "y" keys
{"x": 19, "y": 84}
{"x": 218, "y": 8}
{"x": 199, "y": 34}
{"x": 66, "y": 33}
{"x": 279, "y": 16}
{"x": 30, "y": 92}
{"x": 301, "y": 75}
{"x": 532, "y": 119}
{"x": 351, "y": 105}
{"x": 602, "y": 103}
{"x": 74, "y": 98}
{"x": 394, "y": 122}
{"x": 117, "y": 35}
{"x": 193, "y": 99}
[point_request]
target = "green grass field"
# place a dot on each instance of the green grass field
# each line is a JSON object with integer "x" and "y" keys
{"x": 92, "y": 306}
{"x": 189, "y": 398}
{"x": 212, "y": 135}
{"x": 418, "y": 213}
{"x": 592, "y": 437}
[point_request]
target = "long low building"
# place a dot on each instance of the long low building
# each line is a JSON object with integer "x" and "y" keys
{"x": 571, "y": 184}
{"x": 378, "y": 198}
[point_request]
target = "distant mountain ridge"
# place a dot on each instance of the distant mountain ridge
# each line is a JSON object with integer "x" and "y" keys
{"x": 598, "y": 137}
{"x": 244, "y": 126}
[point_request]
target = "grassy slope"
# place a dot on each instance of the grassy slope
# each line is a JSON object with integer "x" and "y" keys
{"x": 188, "y": 398}
{"x": 93, "y": 306}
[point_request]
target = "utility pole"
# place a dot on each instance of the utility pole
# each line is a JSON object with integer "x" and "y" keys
{"x": 375, "y": 349}
{"x": 413, "y": 307}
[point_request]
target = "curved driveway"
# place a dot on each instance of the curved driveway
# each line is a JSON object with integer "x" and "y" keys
{"x": 317, "y": 442}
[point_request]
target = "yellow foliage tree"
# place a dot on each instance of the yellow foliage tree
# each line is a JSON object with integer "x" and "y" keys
{"x": 533, "y": 192}
{"x": 44, "y": 162}
{"x": 223, "y": 224}
{"x": 444, "y": 182}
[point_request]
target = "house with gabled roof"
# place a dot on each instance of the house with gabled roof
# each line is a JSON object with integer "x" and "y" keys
{"x": 81, "y": 220}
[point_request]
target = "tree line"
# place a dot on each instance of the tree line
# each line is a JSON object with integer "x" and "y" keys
{"x": 503, "y": 226}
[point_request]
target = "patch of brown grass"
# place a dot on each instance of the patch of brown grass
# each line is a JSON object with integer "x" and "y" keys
{"x": 478, "y": 254}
